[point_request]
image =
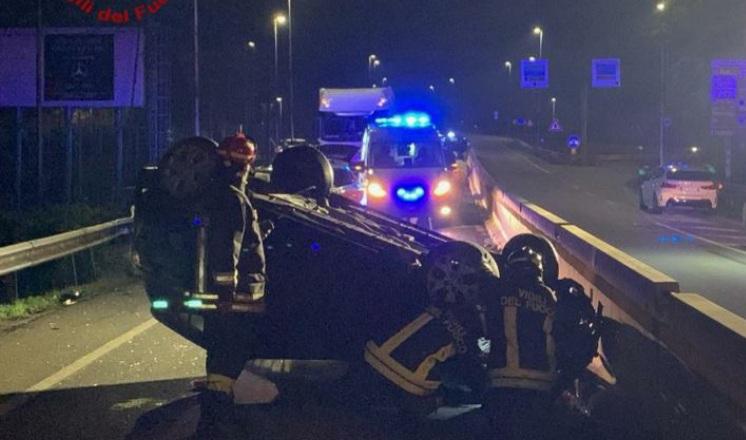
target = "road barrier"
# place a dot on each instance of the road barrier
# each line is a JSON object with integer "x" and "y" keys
{"x": 708, "y": 339}
{"x": 21, "y": 256}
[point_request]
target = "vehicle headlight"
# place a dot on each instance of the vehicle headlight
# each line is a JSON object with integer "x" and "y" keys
{"x": 376, "y": 190}
{"x": 442, "y": 188}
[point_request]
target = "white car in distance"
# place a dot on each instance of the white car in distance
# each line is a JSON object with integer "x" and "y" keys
{"x": 672, "y": 186}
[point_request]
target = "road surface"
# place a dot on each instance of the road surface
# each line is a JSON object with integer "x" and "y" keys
{"x": 706, "y": 254}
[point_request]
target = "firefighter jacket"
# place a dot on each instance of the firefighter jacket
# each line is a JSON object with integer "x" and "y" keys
{"x": 522, "y": 348}
{"x": 410, "y": 352}
{"x": 235, "y": 254}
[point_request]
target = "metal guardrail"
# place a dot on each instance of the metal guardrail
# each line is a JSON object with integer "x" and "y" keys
{"x": 20, "y": 256}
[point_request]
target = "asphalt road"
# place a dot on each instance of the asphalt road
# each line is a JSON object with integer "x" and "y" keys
{"x": 706, "y": 254}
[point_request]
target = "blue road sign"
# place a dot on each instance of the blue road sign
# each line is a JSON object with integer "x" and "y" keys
{"x": 573, "y": 141}
{"x": 607, "y": 73}
{"x": 535, "y": 74}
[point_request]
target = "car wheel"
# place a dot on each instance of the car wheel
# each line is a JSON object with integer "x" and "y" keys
{"x": 303, "y": 170}
{"x": 455, "y": 271}
{"x": 643, "y": 206}
{"x": 188, "y": 169}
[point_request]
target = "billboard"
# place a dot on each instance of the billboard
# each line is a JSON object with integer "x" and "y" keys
{"x": 535, "y": 74}
{"x": 82, "y": 67}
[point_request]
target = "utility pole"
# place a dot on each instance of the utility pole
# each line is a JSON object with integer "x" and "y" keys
{"x": 39, "y": 91}
{"x": 196, "y": 69}
{"x": 662, "y": 109}
{"x": 290, "y": 69}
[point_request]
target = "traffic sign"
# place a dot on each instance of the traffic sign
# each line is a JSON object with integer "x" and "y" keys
{"x": 728, "y": 96}
{"x": 607, "y": 73}
{"x": 555, "y": 126}
{"x": 573, "y": 141}
{"x": 535, "y": 74}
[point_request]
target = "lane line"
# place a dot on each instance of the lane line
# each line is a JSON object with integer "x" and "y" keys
{"x": 539, "y": 167}
{"x": 65, "y": 372}
{"x": 699, "y": 237}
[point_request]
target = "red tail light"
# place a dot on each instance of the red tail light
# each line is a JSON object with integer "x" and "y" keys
{"x": 668, "y": 185}
{"x": 714, "y": 186}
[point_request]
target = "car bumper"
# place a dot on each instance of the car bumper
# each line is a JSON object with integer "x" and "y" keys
{"x": 436, "y": 209}
{"x": 701, "y": 200}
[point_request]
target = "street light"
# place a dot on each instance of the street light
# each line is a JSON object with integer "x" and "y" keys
{"x": 661, "y": 8}
{"x": 431, "y": 88}
{"x": 532, "y": 59}
{"x": 452, "y": 80}
{"x": 251, "y": 45}
{"x": 540, "y": 32}
{"x": 278, "y": 126}
{"x": 371, "y": 59}
{"x": 290, "y": 69}
{"x": 278, "y": 21}
{"x": 509, "y": 66}
{"x": 554, "y": 108}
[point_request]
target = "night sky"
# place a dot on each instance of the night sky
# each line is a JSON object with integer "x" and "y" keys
{"x": 426, "y": 42}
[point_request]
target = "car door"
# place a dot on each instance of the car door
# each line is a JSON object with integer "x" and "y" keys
{"x": 650, "y": 185}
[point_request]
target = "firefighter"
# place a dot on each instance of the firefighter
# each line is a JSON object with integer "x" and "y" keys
{"x": 236, "y": 274}
{"x": 432, "y": 353}
{"x": 521, "y": 364}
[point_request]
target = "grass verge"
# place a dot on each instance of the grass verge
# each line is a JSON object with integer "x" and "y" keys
{"x": 25, "y": 307}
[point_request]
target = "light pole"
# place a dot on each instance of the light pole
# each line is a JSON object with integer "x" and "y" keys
{"x": 554, "y": 109}
{"x": 196, "y": 69}
{"x": 540, "y": 32}
{"x": 251, "y": 46}
{"x": 290, "y": 68}
{"x": 278, "y": 21}
{"x": 278, "y": 126}
{"x": 371, "y": 59}
{"x": 509, "y": 66}
{"x": 661, "y": 8}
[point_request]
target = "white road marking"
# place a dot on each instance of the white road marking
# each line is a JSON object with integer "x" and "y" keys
{"x": 65, "y": 372}
{"x": 700, "y": 238}
{"x": 539, "y": 167}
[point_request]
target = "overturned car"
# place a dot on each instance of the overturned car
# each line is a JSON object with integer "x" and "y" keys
{"x": 337, "y": 272}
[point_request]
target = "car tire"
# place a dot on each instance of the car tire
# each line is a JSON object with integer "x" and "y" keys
{"x": 188, "y": 169}
{"x": 643, "y": 206}
{"x": 455, "y": 271}
{"x": 302, "y": 170}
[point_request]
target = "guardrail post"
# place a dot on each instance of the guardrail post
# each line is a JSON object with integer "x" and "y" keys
{"x": 8, "y": 289}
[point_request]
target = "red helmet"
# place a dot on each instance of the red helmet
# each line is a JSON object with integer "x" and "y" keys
{"x": 238, "y": 149}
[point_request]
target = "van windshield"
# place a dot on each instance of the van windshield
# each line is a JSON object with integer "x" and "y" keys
{"x": 405, "y": 149}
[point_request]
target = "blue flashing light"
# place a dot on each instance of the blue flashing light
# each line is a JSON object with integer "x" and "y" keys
{"x": 315, "y": 247}
{"x": 451, "y": 135}
{"x": 410, "y": 194}
{"x": 407, "y": 120}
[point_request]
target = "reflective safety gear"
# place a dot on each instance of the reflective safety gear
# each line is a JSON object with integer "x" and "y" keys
{"x": 235, "y": 253}
{"x": 411, "y": 355}
{"x": 237, "y": 149}
{"x": 540, "y": 245}
{"x": 522, "y": 350}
